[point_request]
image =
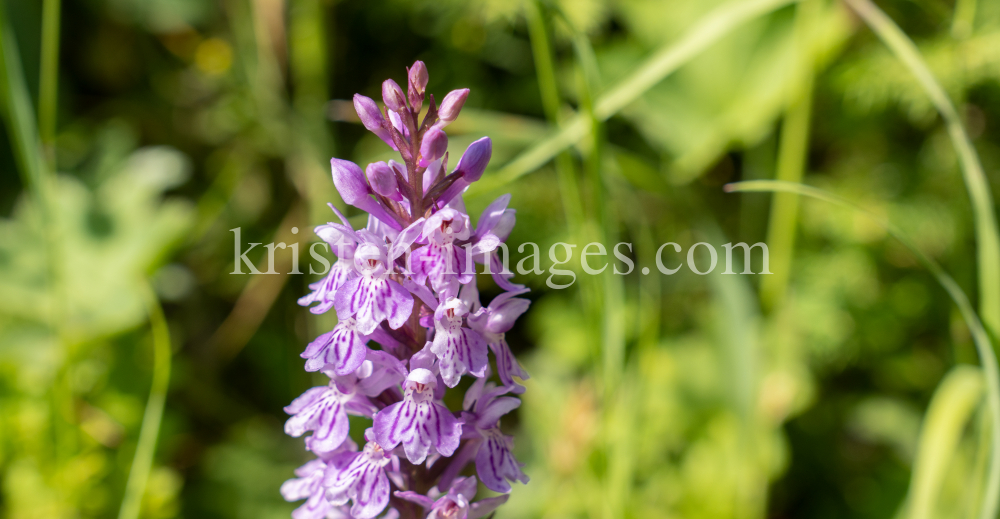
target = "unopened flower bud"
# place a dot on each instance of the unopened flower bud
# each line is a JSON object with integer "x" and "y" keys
{"x": 451, "y": 105}
{"x": 417, "y": 79}
{"x": 470, "y": 167}
{"x": 350, "y": 181}
{"x": 433, "y": 146}
{"x": 474, "y": 160}
{"x": 383, "y": 180}
{"x": 418, "y": 76}
{"x": 393, "y": 96}
{"x": 368, "y": 112}
{"x": 372, "y": 118}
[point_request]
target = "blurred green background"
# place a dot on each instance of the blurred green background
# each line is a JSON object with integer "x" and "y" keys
{"x": 138, "y": 133}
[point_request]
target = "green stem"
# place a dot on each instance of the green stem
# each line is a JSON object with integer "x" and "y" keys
{"x": 19, "y": 120}
{"x": 991, "y": 497}
{"x": 549, "y": 91}
{"x": 987, "y": 236}
{"x": 138, "y": 475}
{"x": 785, "y": 207}
{"x": 48, "y": 90}
{"x": 792, "y": 152}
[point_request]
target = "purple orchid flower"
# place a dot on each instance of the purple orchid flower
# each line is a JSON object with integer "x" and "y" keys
{"x": 372, "y": 297}
{"x": 354, "y": 189}
{"x": 309, "y": 486}
{"x": 493, "y": 322}
{"x": 324, "y": 411}
{"x": 342, "y": 239}
{"x": 341, "y": 350}
{"x": 492, "y": 450}
{"x": 442, "y": 260}
{"x": 361, "y": 477}
{"x": 418, "y": 422}
{"x": 459, "y": 349}
{"x": 379, "y": 372}
{"x": 456, "y": 504}
{"x": 309, "y": 483}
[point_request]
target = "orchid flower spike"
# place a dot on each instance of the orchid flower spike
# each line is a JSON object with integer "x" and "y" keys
{"x": 409, "y": 327}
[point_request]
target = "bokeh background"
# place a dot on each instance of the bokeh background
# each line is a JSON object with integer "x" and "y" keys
{"x": 846, "y": 384}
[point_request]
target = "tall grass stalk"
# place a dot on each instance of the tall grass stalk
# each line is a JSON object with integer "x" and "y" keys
{"x": 142, "y": 462}
{"x": 48, "y": 84}
{"x": 792, "y": 152}
{"x": 991, "y": 497}
{"x": 987, "y": 234}
{"x": 603, "y": 296}
{"x": 551, "y": 104}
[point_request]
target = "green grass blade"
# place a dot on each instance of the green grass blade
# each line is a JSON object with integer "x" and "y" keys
{"x": 549, "y": 90}
{"x": 950, "y": 410}
{"x": 987, "y": 235}
{"x": 48, "y": 85}
{"x": 138, "y": 475}
{"x": 720, "y": 22}
{"x": 793, "y": 148}
{"x": 980, "y": 337}
{"x": 18, "y": 117}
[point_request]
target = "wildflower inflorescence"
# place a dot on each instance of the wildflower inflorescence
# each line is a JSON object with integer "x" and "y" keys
{"x": 405, "y": 282}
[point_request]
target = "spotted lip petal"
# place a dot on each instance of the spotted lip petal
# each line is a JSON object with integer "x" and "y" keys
{"x": 325, "y": 289}
{"x": 443, "y": 265}
{"x": 370, "y": 301}
{"x": 459, "y": 350}
{"x": 360, "y": 477}
{"x": 308, "y": 486}
{"x": 418, "y": 422}
{"x": 324, "y": 414}
{"x": 343, "y": 349}
{"x": 507, "y": 366}
{"x": 495, "y": 464}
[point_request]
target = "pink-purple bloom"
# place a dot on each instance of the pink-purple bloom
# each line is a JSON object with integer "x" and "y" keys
{"x": 492, "y": 449}
{"x": 324, "y": 411}
{"x": 361, "y": 477}
{"x": 419, "y": 422}
{"x": 457, "y": 503}
{"x": 409, "y": 326}
{"x": 459, "y": 349}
